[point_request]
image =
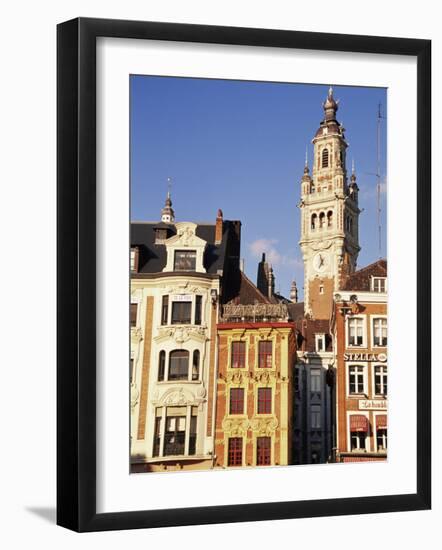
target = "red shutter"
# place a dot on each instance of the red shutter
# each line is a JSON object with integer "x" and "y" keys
{"x": 358, "y": 423}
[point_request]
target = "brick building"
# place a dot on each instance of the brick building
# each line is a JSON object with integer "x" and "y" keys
{"x": 254, "y": 404}
{"x": 360, "y": 326}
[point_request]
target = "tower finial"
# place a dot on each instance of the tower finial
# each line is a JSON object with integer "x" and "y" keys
{"x": 167, "y": 213}
{"x": 353, "y": 166}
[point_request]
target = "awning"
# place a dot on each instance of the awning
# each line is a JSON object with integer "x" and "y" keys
{"x": 358, "y": 423}
{"x": 381, "y": 421}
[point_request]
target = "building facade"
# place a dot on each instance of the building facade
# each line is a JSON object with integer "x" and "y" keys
{"x": 176, "y": 285}
{"x": 254, "y": 404}
{"x": 360, "y": 326}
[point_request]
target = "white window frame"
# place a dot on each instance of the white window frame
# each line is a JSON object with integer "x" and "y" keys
{"x": 375, "y": 432}
{"x": 373, "y": 380}
{"x": 163, "y": 417}
{"x": 373, "y": 279}
{"x": 362, "y": 364}
{"x": 367, "y": 436}
{"x": 372, "y": 321}
{"x": 364, "y": 331}
{"x": 320, "y": 338}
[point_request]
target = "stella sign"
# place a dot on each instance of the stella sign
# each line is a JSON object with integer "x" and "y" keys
{"x": 381, "y": 357}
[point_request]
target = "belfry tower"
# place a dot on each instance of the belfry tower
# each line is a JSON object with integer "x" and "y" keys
{"x": 329, "y": 216}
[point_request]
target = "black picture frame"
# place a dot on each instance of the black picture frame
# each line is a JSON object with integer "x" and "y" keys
{"x": 76, "y": 273}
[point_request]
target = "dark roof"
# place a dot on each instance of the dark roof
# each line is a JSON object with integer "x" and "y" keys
{"x": 153, "y": 257}
{"x": 248, "y": 293}
{"x": 361, "y": 279}
{"x": 296, "y": 310}
{"x": 310, "y": 327}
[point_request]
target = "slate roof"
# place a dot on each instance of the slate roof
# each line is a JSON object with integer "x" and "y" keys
{"x": 153, "y": 257}
{"x": 248, "y": 293}
{"x": 361, "y": 279}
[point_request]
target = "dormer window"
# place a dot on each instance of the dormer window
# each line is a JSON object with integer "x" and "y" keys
{"x": 185, "y": 260}
{"x": 134, "y": 259}
{"x": 320, "y": 342}
{"x": 379, "y": 284}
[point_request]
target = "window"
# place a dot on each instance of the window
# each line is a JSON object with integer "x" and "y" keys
{"x": 329, "y": 218}
{"x": 238, "y": 357}
{"x": 265, "y": 354}
{"x": 175, "y": 430}
{"x": 381, "y": 440}
{"x": 181, "y": 313}
{"x": 161, "y": 365}
{"x": 315, "y": 380}
{"x": 297, "y": 381}
{"x": 380, "y": 332}
{"x": 321, "y": 220}
{"x": 178, "y": 364}
{"x": 185, "y": 260}
{"x": 134, "y": 260}
{"x": 356, "y": 380}
{"x": 321, "y": 289}
{"x": 263, "y": 450}
{"x": 264, "y": 400}
{"x": 236, "y": 401}
{"x": 196, "y": 365}
{"x": 325, "y": 158}
{"x": 164, "y": 310}
{"x": 379, "y": 284}
{"x": 198, "y": 309}
{"x": 314, "y": 221}
{"x": 358, "y": 441}
{"x": 320, "y": 341}
{"x": 133, "y": 314}
{"x": 355, "y": 331}
{"x": 315, "y": 417}
{"x": 235, "y": 451}
{"x": 131, "y": 371}
{"x": 380, "y": 380}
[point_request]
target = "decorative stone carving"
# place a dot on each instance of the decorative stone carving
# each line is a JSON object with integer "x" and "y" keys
{"x": 264, "y": 426}
{"x": 234, "y": 377}
{"x": 235, "y": 426}
{"x": 134, "y": 396}
{"x": 264, "y": 377}
{"x": 136, "y": 335}
{"x": 182, "y": 334}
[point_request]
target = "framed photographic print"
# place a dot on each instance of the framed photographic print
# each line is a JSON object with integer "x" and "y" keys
{"x": 243, "y": 277}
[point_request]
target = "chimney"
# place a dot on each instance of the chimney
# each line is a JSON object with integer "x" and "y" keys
{"x": 219, "y": 227}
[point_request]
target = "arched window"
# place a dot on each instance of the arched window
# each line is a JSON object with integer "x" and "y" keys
{"x": 325, "y": 158}
{"x": 179, "y": 364}
{"x": 321, "y": 220}
{"x": 196, "y": 365}
{"x": 329, "y": 218}
{"x": 314, "y": 220}
{"x": 161, "y": 365}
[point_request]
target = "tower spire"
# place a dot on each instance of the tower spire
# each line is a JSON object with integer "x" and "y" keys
{"x": 167, "y": 212}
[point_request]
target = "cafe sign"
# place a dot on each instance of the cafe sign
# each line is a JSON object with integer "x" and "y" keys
{"x": 381, "y": 357}
{"x": 373, "y": 404}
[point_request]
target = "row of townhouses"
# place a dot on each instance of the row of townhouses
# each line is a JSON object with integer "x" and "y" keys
{"x": 228, "y": 373}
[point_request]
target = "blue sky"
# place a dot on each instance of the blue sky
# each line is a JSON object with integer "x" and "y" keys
{"x": 240, "y": 146}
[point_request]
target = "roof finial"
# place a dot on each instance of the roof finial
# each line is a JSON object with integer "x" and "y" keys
{"x": 353, "y": 166}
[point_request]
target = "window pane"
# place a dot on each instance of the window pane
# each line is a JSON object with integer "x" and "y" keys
{"x": 263, "y": 451}
{"x": 185, "y": 260}
{"x": 196, "y": 365}
{"x": 315, "y": 380}
{"x": 164, "y": 310}
{"x": 238, "y": 355}
{"x": 198, "y": 303}
{"x": 264, "y": 400}
{"x": 192, "y": 435}
{"x": 161, "y": 365}
{"x": 133, "y": 314}
{"x": 236, "y": 401}
{"x": 181, "y": 313}
{"x": 235, "y": 451}
{"x": 178, "y": 365}
{"x": 265, "y": 354}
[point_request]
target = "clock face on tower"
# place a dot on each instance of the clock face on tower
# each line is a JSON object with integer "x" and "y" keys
{"x": 321, "y": 262}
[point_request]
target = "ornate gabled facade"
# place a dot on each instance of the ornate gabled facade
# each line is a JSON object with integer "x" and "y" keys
{"x": 360, "y": 328}
{"x": 329, "y": 216}
{"x": 256, "y": 354}
{"x": 176, "y": 284}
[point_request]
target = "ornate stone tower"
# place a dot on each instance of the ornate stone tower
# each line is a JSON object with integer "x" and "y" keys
{"x": 329, "y": 215}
